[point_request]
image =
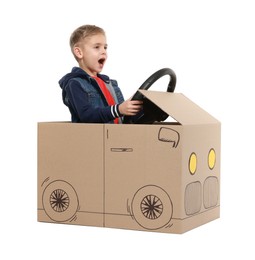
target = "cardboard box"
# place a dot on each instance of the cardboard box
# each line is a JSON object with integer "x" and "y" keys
{"x": 163, "y": 177}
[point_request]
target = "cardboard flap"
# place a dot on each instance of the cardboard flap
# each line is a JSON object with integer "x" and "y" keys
{"x": 179, "y": 107}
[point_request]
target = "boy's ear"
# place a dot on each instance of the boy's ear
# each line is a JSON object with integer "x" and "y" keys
{"x": 77, "y": 52}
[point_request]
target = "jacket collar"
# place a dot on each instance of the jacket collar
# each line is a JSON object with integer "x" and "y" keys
{"x": 84, "y": 74}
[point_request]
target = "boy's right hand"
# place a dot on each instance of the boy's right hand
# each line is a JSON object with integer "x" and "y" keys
{"x": 130, "y": 107}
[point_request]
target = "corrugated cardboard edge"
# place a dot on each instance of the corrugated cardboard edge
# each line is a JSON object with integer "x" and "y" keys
{"x": 179, "y": 107}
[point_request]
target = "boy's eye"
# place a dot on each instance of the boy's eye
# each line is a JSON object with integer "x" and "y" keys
{"x": 98, "y": 47}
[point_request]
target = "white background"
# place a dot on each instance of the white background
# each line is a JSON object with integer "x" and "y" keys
{"x": 211, "y": 47}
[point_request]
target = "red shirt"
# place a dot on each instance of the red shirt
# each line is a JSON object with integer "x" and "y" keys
{"x": 109, "y": 98}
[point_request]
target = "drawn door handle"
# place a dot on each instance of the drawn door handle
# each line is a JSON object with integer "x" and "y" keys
{"x": 121, "y": 150}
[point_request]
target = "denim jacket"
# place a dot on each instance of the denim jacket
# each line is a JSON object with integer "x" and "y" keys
{"x": 85, "y": 100}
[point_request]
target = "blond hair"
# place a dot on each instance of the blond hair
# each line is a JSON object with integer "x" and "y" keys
{"x": 83, "y": 32}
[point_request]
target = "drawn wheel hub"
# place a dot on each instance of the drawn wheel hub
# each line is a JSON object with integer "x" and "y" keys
{"x": 151, "y": 207}
{"x": 60, "y": 201}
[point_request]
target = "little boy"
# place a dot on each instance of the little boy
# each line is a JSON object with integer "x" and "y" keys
{"x": 92, "y": 97}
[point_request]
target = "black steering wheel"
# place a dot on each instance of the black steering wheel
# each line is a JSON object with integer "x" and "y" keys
{"x": 150, "y": 112}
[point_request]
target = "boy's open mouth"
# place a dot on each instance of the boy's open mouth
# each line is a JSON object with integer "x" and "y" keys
{"x": 101, "y": 61}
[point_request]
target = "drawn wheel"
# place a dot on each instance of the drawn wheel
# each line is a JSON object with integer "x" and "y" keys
{"x": 60, "y": 201}
{"x": 152, "y": 207}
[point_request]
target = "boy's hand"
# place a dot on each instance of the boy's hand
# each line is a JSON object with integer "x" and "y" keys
{"x": 130, "y": 107}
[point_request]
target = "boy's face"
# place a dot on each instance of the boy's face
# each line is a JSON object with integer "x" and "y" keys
{"x": 92, "y": 54}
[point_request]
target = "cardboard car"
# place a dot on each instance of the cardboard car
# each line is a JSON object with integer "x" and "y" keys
{"x": 162, "y": 177}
